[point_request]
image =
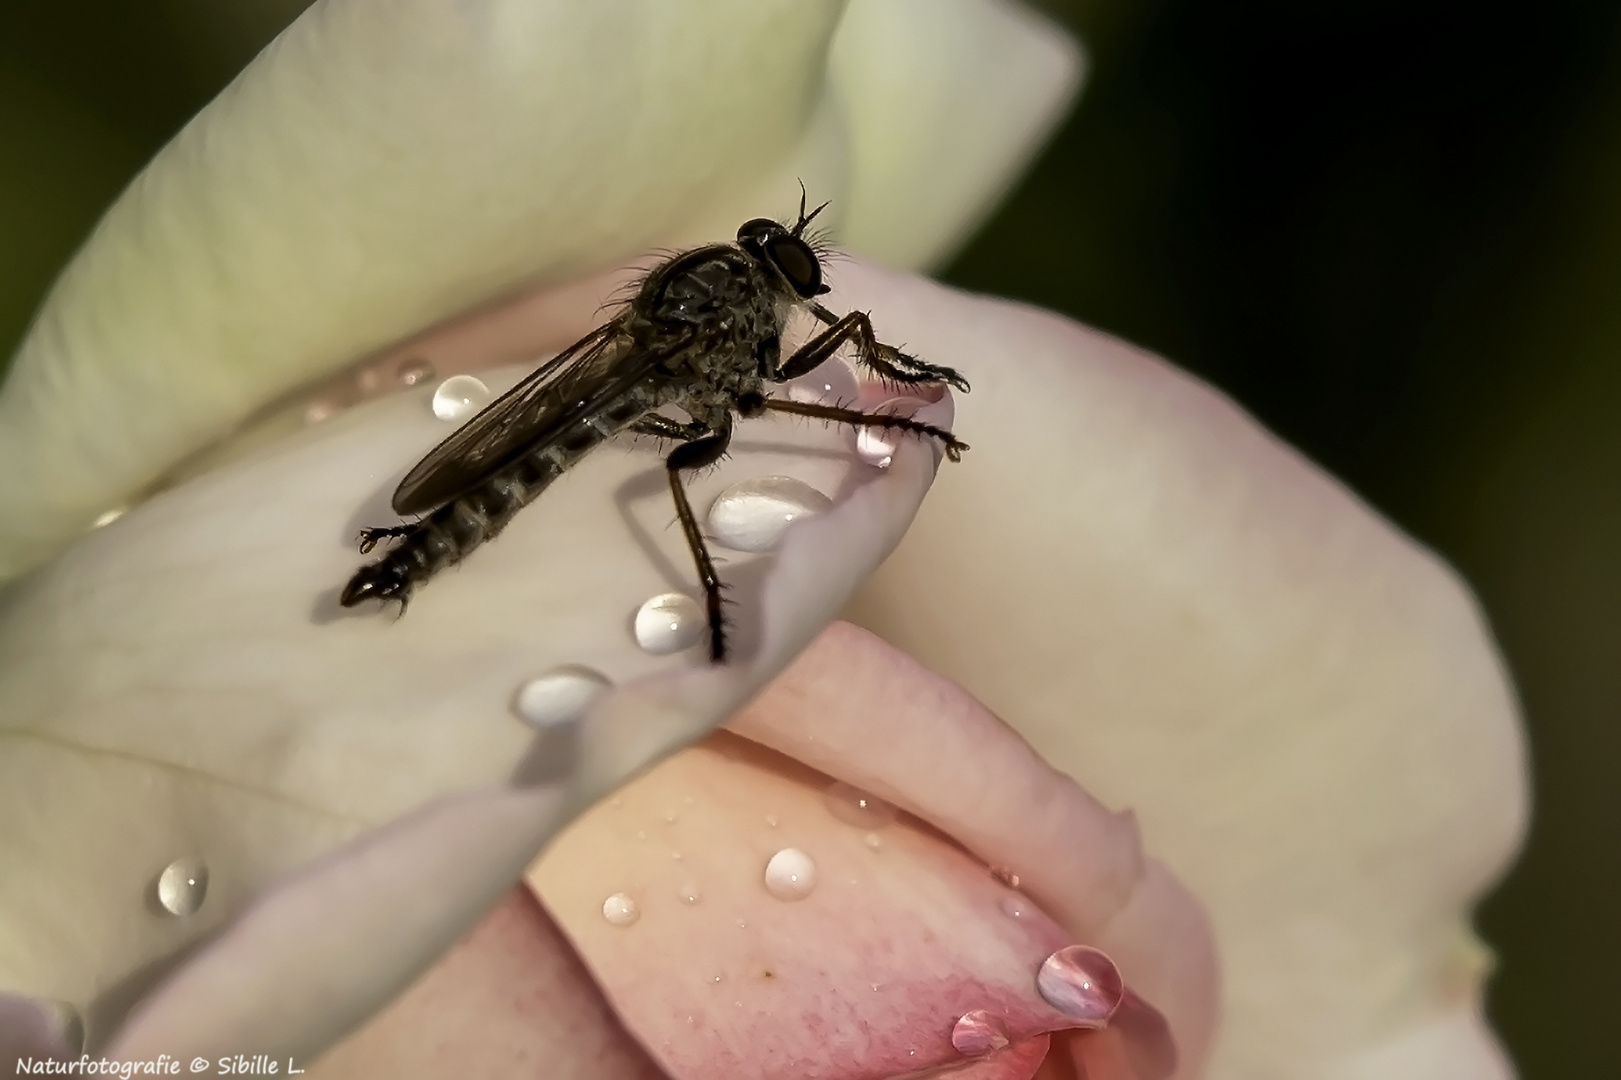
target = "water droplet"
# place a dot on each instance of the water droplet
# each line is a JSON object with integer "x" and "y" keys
{"x": 771, "y": 820}
{"x": 742, "y": 925}
{"x": 876, "y": 446}
{"x": 716, "y": 978}
{"x": 107, "y": 517}
{"x": 873, "y": 841}
{"x": 1013, "y": 907}
{"x": 876, "y": 987}
{"x": 316, "y": 411}
{"x": 690, "y": 893}
{"x": 1005, "y": 876}
{"x": 676, "y": 855}
{"x": 459, "y": 397}
{"x": 978, "y": 1033}
{"x": 669, "y": 623}
{"x": 413, "y": 371}
{"x": 182, "y": 886}
{"x": 560, "y": 696}
{"x": 832, "y": 383}
{"x": 620, "y": 910}
{"x": 670, "y": 817}
{"x": 753, "y": 515}
{"x": 790, "y": 875}
{"x": 1081, "y": 982}
{"x": 855, "y": 807}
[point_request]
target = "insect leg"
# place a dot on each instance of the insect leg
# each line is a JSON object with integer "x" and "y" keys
{"x": 953, "y": 446}
{"x": 886, "y": 361}
{"x": 370, "y": 538}
{"x": 698, "y": 454}
{"x": 662, "y": 427}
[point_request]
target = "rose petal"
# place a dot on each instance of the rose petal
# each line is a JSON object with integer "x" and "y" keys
{"x": 945, "y": 101}
{"x": 1303, "y": 707}
{"x": 182, "y": 683}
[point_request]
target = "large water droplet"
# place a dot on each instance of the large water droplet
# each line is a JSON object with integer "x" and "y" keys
{"x": 1081, "y": 982}
{"x": 790, "y": 875}
{"x": 413, "y": 371}
{"x": 620, "y": 910}
{"x": 979, "y": 1032}
{"x": 833, "y": 383}
{"x": 182, "y": 886}
{"x": 459, "y": 397}
{"x": 669, "y": 623}
{"x": 754, "y": 514}
{"x": 855, "y": 807}
{"x": 560, "y": 696}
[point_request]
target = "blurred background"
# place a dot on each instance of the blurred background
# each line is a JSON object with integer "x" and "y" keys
{"x": 1391, "y": 229}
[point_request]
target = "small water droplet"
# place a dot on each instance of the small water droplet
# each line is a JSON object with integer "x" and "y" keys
{"x": 754, "y": 514}
{"x": 316, "y": 411}
{"x": 670, "y": 817}
{"x": 742, "y": 924}
{"x": 1005, "y": 876}
{"x": 107, "y": 517}
{"x": 771, "y": 820}
{"x": 978, "y": 1032}
{"x": 716, "y": 978}
{"x": 790, "y": 875}
{"x": 560, "y": 696}
{"x": 459, "y": 397}
{"x": 876, "y": 446}
{"x": 669, "y": 623}
{"x": 690, "y": 893}
{"x": 873, "y": 841}
{"x": 1081, "y": 982}
{"x": 876, "y": 987}
{"x": 413, "y": 371}
{"x": 832, "y": 383}
{"x": 1013, "y": 907}
{"x": 855, "y": 807}
{"x": 182, "y": 886}
{"x": 620, "y": 910}
{"x": 676, "y": 855}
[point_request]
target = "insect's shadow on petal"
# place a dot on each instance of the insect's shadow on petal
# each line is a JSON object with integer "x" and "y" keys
{"x": 551, "y": 757}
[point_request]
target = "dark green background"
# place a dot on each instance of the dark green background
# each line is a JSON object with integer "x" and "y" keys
{"x": 1391, "y": 229}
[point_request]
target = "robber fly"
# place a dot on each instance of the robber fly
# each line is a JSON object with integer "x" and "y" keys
{"x": 703, "y": 333}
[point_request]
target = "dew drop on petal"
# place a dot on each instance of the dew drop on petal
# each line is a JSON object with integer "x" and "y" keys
{"x": 690, "y": 893}
{"x": 1005, "y": 876}
{"x": 753, "y": 515}
{"x": 831, "y": 383}
{"x": 182, "y": 886}
{"x": 873, "y": 841}
{"x": 107, "y": 517}
{"x": 620, "y": 910}
{"x": 459, "y": 397}
{"x": 772, "y": 820}
{"x": 1081, "y": 982}
{"x": 790, "y": 875}
{"x": 560, "y": 696}
{"x": 876, "y": 446}
{"x": 1013, "y": 907}
{"x": 855, "y": 807}
{"x": 413, "y": 371}
{"x": 978, "y": 1032}
{"x": 668, "y": 623}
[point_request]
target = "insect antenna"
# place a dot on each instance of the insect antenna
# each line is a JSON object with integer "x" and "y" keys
{"x": 804, "y": 220}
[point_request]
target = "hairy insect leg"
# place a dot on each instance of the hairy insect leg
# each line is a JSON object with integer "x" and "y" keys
{"x": 953, "y": 446}
{"x": 885, "y": 361}
{"x": 698, "y": 454}
{"x": 370, "y": 538}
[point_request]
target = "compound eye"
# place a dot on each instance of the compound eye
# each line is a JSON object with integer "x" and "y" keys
{"x": 797, "y": 262}
{"x": 756, "y": 229}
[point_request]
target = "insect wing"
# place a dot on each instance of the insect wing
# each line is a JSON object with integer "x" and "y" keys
{"x": 527, "y": 416}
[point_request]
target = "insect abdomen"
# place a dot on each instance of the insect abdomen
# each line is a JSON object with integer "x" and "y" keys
{"x": 446, "y": 536}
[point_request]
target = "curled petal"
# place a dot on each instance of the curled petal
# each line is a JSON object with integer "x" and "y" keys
{"x": 1302, "y": 706}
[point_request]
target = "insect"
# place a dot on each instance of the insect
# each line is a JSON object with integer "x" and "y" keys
{"x": 702, "y": 333}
